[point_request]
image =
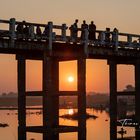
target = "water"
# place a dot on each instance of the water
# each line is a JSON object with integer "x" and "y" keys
{"x": 97, "y": 129}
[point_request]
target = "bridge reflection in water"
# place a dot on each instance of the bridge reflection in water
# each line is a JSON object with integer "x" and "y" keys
{"x": 52, "y": 49}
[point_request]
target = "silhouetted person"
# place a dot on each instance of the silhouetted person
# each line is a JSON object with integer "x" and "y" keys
{"x": 25, "y": 30}
{"x": 31, "y": 32}
{"x": 71, "y": 28}
{"x": 75, "y": 28}
{"x": 19, "y": 30}
{"x": 92, "y": 31}
{"x": 74, "y": 31}
{"x": 38, "y": 32}
{"x": 107, "y": 35}
{"x": 83, "y": 27}
{"x": 114, "y": 35}
{"x": 46, "y": 31}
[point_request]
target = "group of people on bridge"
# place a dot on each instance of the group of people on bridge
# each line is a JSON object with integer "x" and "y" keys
{"x": 108, "y": 36}
{"x": 91, "y": 28}
{"x": 26, "y": 31}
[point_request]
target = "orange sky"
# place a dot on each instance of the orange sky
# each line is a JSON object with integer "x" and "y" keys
{"x": 123, "y": 14}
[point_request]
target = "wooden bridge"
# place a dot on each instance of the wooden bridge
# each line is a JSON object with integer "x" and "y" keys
{"x": 58, "y": 46}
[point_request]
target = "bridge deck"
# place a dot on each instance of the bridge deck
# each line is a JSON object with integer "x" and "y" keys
{"x": 66, "y": 51}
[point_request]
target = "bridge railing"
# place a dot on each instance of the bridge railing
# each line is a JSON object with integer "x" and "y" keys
{"x": 131, "y": 41}
{"x": 11, "y": 33}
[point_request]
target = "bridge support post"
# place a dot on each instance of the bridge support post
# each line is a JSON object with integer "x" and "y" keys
{"x": 64, "y": 27}
{"x": 21, "y": 98}
{"x": 55, "y": 97}
{"x": 81, "y": 99}
{"x": 137, "y": 97}
{"x": 50, "y": 24}
{"x": 12, "y": 31}
{"x": 86, "y": 42}
{"x": 113, "y": 100}
{"x": 50, "y": 103}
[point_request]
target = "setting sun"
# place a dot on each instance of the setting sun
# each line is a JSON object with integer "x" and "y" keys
{"x": 70, "y": 79}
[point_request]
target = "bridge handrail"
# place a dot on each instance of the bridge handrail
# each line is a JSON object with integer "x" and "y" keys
{"x": 34, "y": 24}
{"x": 128, "y": 34}
{"x": 61, "y": 27}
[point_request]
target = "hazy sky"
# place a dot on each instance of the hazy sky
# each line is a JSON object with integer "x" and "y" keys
{"x": 123, "y": 14}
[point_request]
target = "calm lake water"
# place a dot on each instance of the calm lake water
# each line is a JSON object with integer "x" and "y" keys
{"x": 97, "y": 129}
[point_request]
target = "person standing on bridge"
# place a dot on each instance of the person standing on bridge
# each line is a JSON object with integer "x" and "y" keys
{"x": 92, "y": 31}
{"x": 84, "y": 27}
{"x": 46, "y": 31}
{"x": 26, "y": 31}
{"x": 19, "y": 30}
{"x": 74, "y": 31}
{"x": 31, "y": 32}
{"x": 38, "y": 33}
{"x": 107, "y": 36}
{"x": 115, "y": 36}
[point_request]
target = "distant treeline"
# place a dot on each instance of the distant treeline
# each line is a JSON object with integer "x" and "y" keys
{"x": 13, "y": 101}
{"x": 93, "y": 100}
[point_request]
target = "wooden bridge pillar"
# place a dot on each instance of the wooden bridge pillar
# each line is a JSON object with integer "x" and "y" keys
{"x": 21, "y": 98}
{"x": 12, "y": 31}
{"x": 55, "y": 98}
{"x": 82, "y": 99}
{"x": 50, "y": 103}
{"x": 113, "y": 100}
{"x": 137, "y": 96}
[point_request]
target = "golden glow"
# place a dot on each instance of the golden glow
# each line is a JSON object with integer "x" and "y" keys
{"x": 97, "y": 76}
{"x": 68, "y": 76}
{"x": 70, "y": 79}
{"x": 70, "y": 111}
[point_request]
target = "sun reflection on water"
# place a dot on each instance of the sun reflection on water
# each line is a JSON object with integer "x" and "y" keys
{"x": 70, "y": 111}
